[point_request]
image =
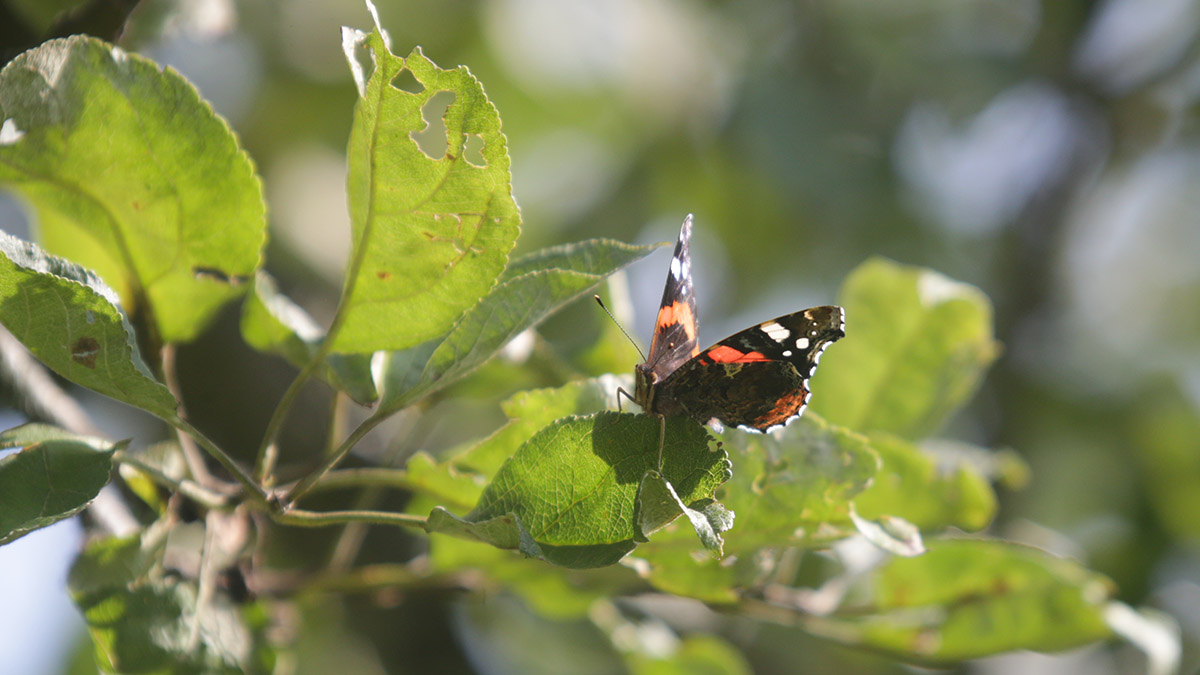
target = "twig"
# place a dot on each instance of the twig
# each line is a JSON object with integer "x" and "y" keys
{"x": 190, "y": 489}
{"x": 301, "y": 518}
{"x": 191, "y": 454}
{"x": 301, "y": 488}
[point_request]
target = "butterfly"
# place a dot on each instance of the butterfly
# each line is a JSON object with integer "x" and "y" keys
{"x": 756, "y": 379}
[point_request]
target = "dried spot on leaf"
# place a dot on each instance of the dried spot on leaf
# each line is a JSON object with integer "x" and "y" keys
{"x": 383, "y": 275}
{"x": 85, "y": 350}
{"x": 218, "y": 275}
{"x": 432, "y": 139}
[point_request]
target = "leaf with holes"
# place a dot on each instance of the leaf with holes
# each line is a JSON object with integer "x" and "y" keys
{"x": 543, "y": 282}
{"x": 920, "y": 344}
{"x": 72, "y": 322}
{"x": 134, "y": 176}
{"x": 272, "y": 323}
{"x": 572, "y": 495}
{"x": 430, "y": 233}
{"x": 55, "y": 476}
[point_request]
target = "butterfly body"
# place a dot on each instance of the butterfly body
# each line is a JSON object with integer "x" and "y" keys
{"x": 756, "y": 379}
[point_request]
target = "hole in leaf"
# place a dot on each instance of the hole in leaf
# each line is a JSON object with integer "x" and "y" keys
{"x": 432, "y": 139}
{"x": 406, "y": 81}
{"x": 473, "y": 151}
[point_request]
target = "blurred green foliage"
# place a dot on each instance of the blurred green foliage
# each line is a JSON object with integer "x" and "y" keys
{"x": 1044, "y": 152}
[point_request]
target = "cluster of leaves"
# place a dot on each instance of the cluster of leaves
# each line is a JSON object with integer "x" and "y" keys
{"x": 151, "y": 218}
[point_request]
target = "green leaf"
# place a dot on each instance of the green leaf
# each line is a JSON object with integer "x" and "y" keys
{"x": 529, "y": 411}
{"x": 570, "y": 495}
{"x": 554, "y": 592}
{"x": 913, "y": 485}
{"x": 142, "y": 621}
{"x": 134, "y": 176}
{"x": 165, "y": 457}
{"x": 659, "y": 504}
{"x": 72, "y": 322}
{"x": 55, "y": 476}
{"x": 458, "y": 481}
{"x": 430, "y": 234}
{"x": 918, "y": 344}
{"x": 272, "y": 323}
{"x": 966, "y": 599}
{"x": 796, "y": 486}
{"x": 695, "y": 655}
{"x": 519, "y": 303}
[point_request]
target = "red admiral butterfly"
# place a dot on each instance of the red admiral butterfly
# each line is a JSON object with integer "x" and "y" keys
{"x": 756, "y": 379}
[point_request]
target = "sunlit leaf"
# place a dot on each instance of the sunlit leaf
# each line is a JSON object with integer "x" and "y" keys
{"x": 431, "y": 233}
{"x": 794, "y": 487}
{"x": 913, "y": 485}
{"x": 55, "y": 476}
{"x": 970, "y": 598}
{"x": 570, "y": 495}
{"x": 558, "y": 275}
{"x": 459, "y": 480}
{"x": 134, "y": 176}
{"x": 72, "y": 322}
{"x": 917, "y": 344}
{"x": 272, "y": 323}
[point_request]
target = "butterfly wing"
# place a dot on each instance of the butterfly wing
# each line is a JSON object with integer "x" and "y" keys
{"x": 675, "y": 330}
{"x": 758, "y": 378}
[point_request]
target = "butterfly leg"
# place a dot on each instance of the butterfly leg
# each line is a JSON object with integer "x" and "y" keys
{"x": 662, "y": 436}
{"x": 620, "y": 391}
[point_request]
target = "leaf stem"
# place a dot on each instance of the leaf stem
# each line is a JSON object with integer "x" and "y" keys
{"x": 302, "y": 518}
{"x": 264, "y": 463}
{"x": 191, "y": 454}
{"x": 226, "y": 461}
{"x": 301, "y": 488}
{"x": 190, "y": 489}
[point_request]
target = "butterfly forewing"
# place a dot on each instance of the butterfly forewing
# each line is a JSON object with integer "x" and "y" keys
{"x": 675, "y": 331}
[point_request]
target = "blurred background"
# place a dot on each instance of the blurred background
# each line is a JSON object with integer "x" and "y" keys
{"x": 1045, "y": 151}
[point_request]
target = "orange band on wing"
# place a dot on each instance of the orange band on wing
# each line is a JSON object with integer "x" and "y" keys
{"x": 727, "y": 354}
{"x": 678, "y": 313}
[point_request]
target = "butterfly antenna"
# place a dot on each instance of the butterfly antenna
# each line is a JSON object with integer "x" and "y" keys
{"x": 618, "y": 323}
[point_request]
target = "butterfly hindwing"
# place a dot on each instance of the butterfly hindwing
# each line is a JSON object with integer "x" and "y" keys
{"x": 675, "y": 330}
{"x": 757, "y": 378}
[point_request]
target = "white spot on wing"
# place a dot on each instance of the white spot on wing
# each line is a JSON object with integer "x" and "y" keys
{"x": 676, "y": 269}
{"x": 802, "y": 343}
{"x": 775, "y": 331}
{"x": 9, "y": 133}
{"x": 787, "y": 353}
